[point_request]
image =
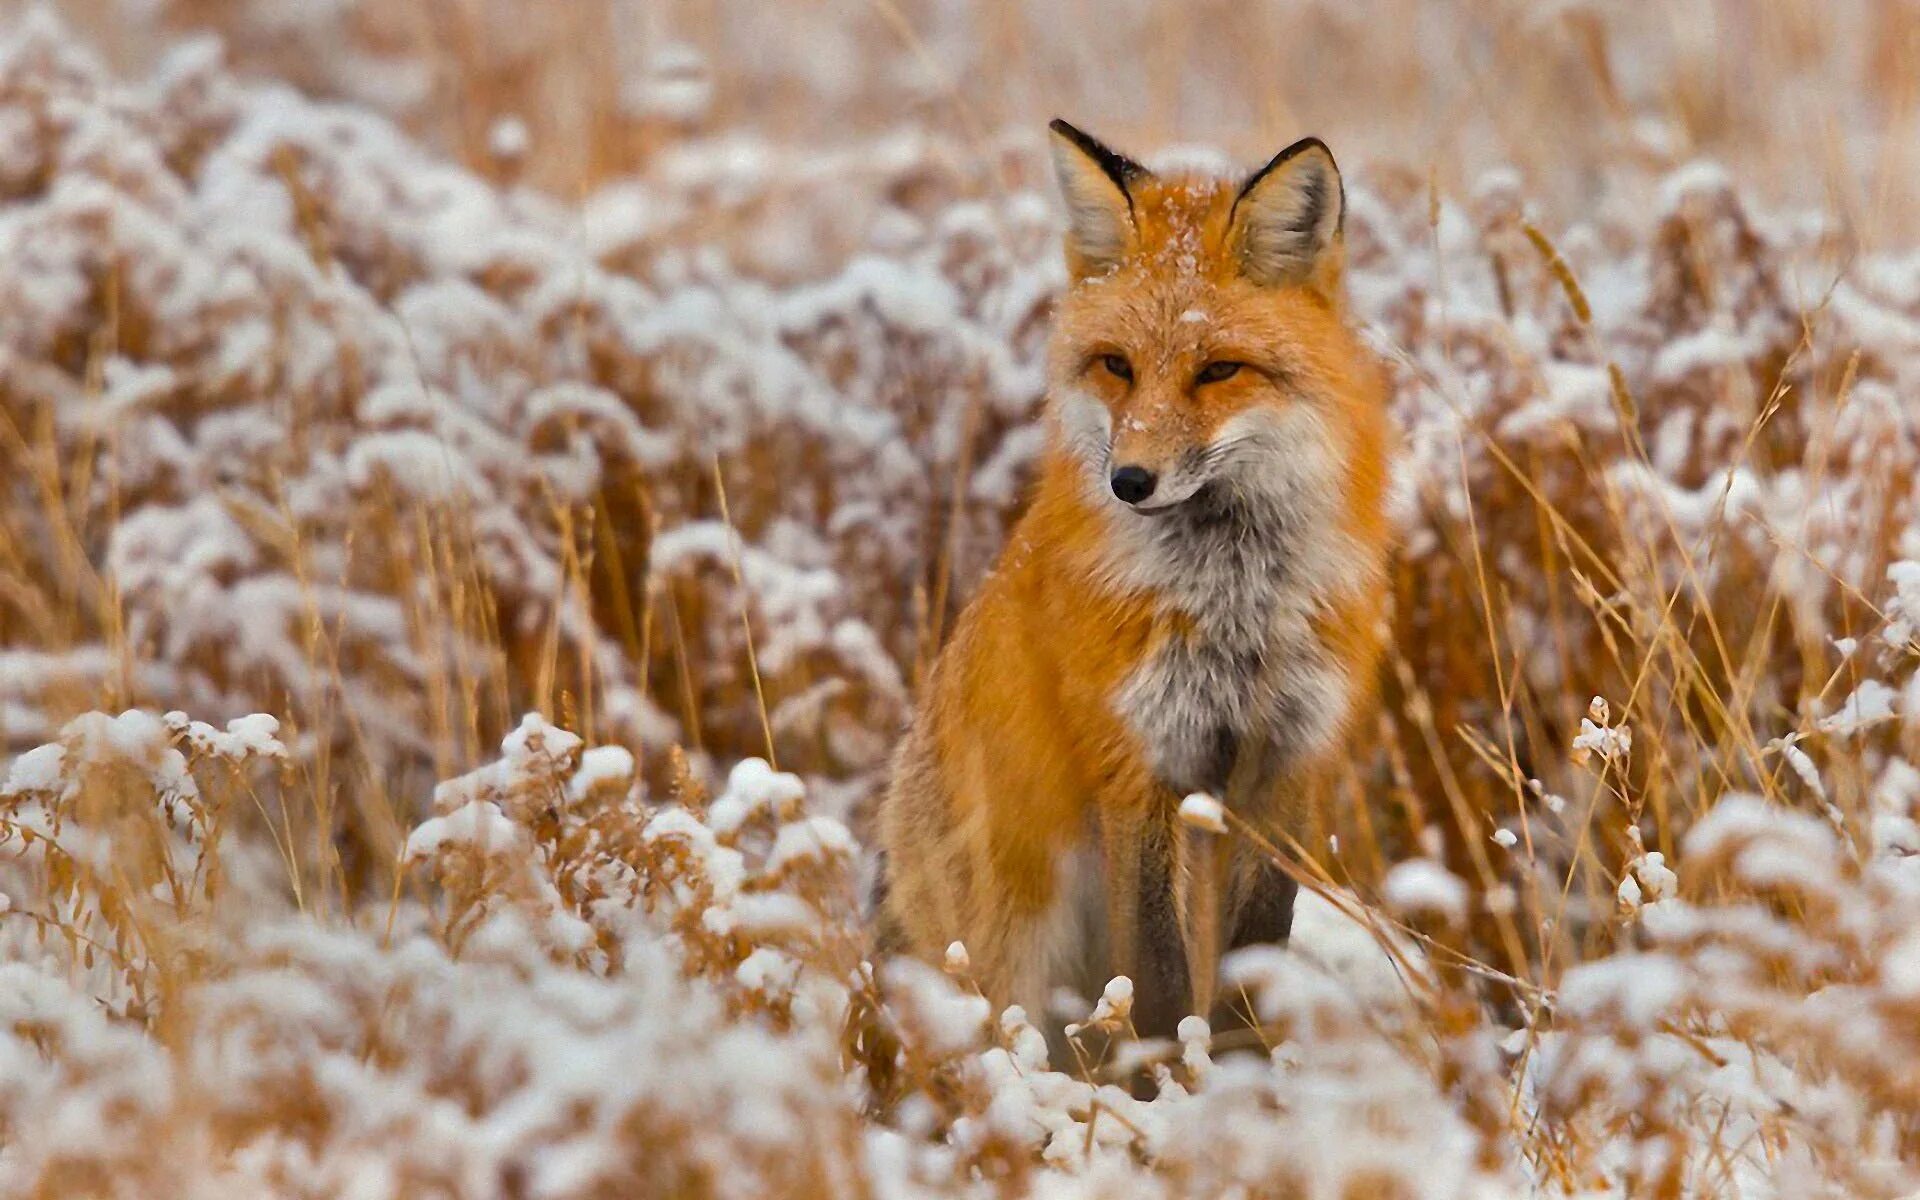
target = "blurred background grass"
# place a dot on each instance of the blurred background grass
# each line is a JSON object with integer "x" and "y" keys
{"x": 1816, "y": 103}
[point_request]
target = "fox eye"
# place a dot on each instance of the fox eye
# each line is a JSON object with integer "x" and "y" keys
{"x": 1117, "y": 367}
{"x": 1214, "y": 372}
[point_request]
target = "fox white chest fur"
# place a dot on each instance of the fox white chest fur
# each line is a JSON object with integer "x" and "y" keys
{"x": 1246, "y": 565}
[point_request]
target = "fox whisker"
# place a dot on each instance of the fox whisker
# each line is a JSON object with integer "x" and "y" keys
{"x": 1220, "y": 452}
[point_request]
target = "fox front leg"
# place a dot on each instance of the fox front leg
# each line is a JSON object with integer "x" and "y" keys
{"x": 1284, "y": 804}
{"x": 1202, "y": 862}
{"x": 1208, "y": 892}
{"x": 1122, "y": 837}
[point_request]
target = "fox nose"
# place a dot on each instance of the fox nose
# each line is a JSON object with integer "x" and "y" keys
{"x": 1132, "y": 484}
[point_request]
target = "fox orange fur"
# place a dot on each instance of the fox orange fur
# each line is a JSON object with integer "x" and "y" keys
{"x": 1193, "y": 601}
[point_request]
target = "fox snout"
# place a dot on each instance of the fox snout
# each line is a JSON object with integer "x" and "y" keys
{"x": 1147, "y": 486}
{"x": 1153, "y": 473}
{"x": 1133, "y": 484}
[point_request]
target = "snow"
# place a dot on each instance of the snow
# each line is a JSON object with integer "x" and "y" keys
{"x": 479, "y": 824}
{"x": 944, "y": 1019}
{"x": 509, "y": 138}
{"x": 1421, "y": 886}
{"x": 1116, "y": 1002}
{"x": 1868, "y": 704}
{"x": 600, "y": 767}
{"x": 38, "y": 770}
{"x": 1903, "y": 609}
{"x": 1638, "y": 986}
{"x": 754, "y": 789}
{"x": 253, "y": 735}
{"x": 809, "y": 839}
{"x": 1609, "y": 745}
{"x": 956, "y": 960}
{"x": 1202, "y": 811}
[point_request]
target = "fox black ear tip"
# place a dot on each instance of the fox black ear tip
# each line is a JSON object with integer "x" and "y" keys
{"x": 1312, "y": 143}
{"x": 1062, "y": 126}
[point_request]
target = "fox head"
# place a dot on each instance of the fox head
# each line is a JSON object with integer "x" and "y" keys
{"x": 1201, "y": 346}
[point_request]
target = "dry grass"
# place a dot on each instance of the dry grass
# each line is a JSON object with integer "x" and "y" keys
{"x": 691, "y": 422}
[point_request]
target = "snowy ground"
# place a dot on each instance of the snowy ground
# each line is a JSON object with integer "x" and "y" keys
{"x": 344, "y": 427}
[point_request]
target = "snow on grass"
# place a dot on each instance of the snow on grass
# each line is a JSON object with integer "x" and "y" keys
{"x": 1203, "y": 812}
{"x": 1422, "y": 887}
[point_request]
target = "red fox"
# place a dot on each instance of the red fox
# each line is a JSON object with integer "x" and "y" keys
{"x": 1192, "y": 602}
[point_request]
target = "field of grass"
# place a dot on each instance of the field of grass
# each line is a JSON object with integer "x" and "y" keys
{"x": 481, "y": 482}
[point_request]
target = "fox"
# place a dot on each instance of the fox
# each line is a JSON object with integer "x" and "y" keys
{"x": 1193, "y": 601}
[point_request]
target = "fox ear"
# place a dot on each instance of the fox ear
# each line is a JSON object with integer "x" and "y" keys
{"x": 1096, "y": 183}
{"x": 1286, "y": 221}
